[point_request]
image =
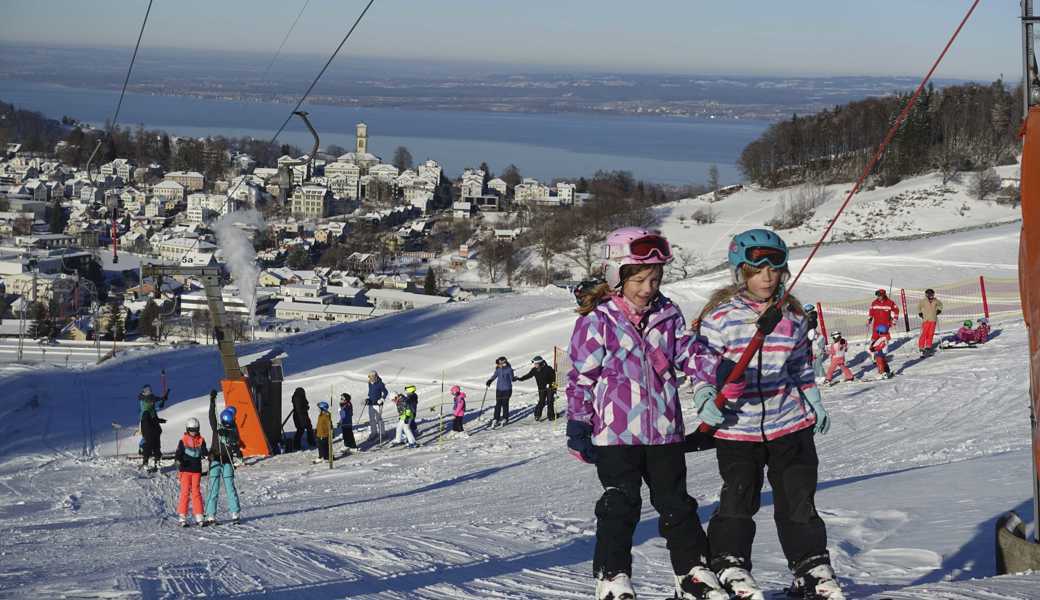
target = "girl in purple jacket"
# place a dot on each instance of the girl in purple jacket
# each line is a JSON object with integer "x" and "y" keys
{"x": 628, "y": 351}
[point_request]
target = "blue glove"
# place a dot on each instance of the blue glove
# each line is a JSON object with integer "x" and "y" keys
{"x": 579, "y": 442}
{"x": 823, "y": 422}
{"x": 704, "y": 402}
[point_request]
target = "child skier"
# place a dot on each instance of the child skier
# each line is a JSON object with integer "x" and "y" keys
{"x": 877, "y": 350}
{"x": 982, "y": 331}
{"x": 405, "y": 416}
{"x": 411, "y": 398}
{"x": 503, "y": 379}
{"x": 767, "y": 423}
{"x": 221, "y": 464}
{"x": 190, "y": 451}
{"x": 346, "y": 422}
{"x": 151, "y": 426}
{"x": 628, "y": 349}
{"x": 965, "y": 335}
{"x": 459, "y": 408}
{"x": 545, "y": 379}
{"x": 837, "y": 351}
{"x": 323, "y": 432}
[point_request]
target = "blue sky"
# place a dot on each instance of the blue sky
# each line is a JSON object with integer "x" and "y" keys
{"x": 763, "y": 37}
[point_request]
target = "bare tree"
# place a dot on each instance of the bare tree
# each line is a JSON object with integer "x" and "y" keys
{"x": 713, "y": 182}
{"x": 796, "y": 208}
{"x": 492, "y": 258}
{"x": 984, "y": 183}
{"x": 549, "y": 236}
{"x": 685, "y": 263}
{"x": 402, "y": 159}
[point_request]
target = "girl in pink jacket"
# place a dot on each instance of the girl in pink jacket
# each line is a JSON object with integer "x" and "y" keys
{"x": 837, "y": 351}
{"x": 459, "y": 410}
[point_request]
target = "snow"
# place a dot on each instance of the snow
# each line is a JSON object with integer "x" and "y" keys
{"x": 913, "y": 473}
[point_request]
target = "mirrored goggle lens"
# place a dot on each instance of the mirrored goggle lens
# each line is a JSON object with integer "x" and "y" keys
{"x": 650, "y": 245}
{"x": 771, "y": 256}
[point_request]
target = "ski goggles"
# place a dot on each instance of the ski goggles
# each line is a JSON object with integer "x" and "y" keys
{"x": 640, "y": 249}
{"x": 773, "y": 257}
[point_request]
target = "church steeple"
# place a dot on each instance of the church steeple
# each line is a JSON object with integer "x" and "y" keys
{"x": 362, "y": 139}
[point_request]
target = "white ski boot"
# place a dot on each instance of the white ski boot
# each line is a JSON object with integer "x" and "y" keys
{"x": 182, "y": 520}
{"x": 740, "y": 584}
{"x": 200, "y": 519}
{"x": 699, "y": 584}
{"x": 614, "y": 587}
{"x": 818, "y": 583}
{"x": 234, "y": 519}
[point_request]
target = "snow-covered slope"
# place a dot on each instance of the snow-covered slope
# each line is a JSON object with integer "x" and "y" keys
{"x": 913, "y": 472}
{"x": 914, "y": 206}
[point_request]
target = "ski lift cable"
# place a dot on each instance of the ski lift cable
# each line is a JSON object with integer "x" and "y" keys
{"x": 303, "y": 98}
{"x": 126, "y": 81}
{"x": 756, "y": 342}
{"x": 278, "y": 52}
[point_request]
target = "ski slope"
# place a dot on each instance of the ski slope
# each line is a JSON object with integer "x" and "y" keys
{"x": 913, "y": 472}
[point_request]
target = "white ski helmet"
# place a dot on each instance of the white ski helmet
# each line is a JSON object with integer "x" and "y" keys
{"x": 633, "y": 246}
{"x": 192, "y": 425}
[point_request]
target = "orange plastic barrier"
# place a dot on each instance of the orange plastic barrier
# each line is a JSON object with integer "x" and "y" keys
{"x": 250, "y": 431}
{"x": 1029, "y": 267}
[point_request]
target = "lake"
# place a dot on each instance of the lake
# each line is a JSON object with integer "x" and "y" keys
{"x": 546, "y": 146}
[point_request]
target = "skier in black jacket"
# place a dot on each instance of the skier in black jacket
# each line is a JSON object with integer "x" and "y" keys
{"x": 151, "y": 425}
{"x": 302, "y": 419}
{"x": 545, "y": 377}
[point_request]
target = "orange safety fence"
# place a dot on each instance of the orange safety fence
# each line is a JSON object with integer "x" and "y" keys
{"x": 962, "y": 300}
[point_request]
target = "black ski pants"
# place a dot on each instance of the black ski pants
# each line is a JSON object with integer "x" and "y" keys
{"x": 622, "y": 471}
{"x": 792, "y": 469}
{"x": 456, "y": 424}
{"x": 546, "y": 399}
{"x": 298, "y": 437}
{"x": 502, "y": 405}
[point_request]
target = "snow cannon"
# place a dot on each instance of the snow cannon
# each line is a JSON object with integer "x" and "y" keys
{"x": 1015, "y": 553}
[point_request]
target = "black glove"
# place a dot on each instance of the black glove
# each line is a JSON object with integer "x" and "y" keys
{"x": 769, "y": 319}
{"x": 162, "y": 420}
{"x": 213, "y": 395}
{"x": 488, "y": 384}
{"x": 921, "y": 315}
{"x": 579, "y": 442}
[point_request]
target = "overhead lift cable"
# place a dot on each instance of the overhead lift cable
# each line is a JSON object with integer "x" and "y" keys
{"x": 756, "y": 342}
{"x": 303, "y": 98}
{"x": 278, "y": 52}
{"x": 126, "y": 81}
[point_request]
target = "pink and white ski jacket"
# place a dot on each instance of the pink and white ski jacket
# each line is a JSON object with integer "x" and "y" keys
{"x": 772, "y": 405}
{"x": 460, "y": 405}
{"x": 624, "y": 381}
{"x": 837, "y": 350}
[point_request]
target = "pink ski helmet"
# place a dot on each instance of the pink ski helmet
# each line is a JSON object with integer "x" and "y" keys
{"x": 455, "y": 390}
{"x": 633, "y": 246}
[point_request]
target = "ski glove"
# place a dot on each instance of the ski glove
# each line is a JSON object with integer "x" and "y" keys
{"x": 769, "y": 319}
{"x": 579, "y": 442}
{"x": 823, "y": 422}
{"x": 704, "y": 402}
{"x": 734, "y": 389}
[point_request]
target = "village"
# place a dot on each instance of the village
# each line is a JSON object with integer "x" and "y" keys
{"x": 337, "y": 238}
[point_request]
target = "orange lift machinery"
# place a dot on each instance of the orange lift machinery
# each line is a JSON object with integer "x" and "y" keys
{"x": 257, "y": 402}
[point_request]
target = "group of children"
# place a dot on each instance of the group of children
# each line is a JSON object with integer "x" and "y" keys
{"x": 630, "y": 350}
{"x": 220, "y": 457}
{"x": 969, "y": 336}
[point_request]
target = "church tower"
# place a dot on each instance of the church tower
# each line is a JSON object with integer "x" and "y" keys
{"x": 362, "y": 139}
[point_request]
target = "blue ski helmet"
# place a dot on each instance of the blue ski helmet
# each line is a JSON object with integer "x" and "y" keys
{"x": 772, "y": 250}
{"x": 323, "y": 406}
{"x": 227, "y": 416}
{"x": 808, "y": 307}
{"x": 882, "y": 328}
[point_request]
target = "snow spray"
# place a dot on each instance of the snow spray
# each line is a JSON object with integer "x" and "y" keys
{"x": 239, "y": 253}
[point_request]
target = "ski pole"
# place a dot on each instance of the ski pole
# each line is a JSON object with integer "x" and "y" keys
{"x": 480, "y": 413}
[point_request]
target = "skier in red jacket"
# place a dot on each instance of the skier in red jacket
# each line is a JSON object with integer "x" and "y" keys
{"x": 882, "y": 312}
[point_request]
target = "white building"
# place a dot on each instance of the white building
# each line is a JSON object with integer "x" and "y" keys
{"x": 472, "y": 183}
{"x": 430, "y": 170}
{"x": 344, "y": 179}
{"x": 191, "y": 180}
{"x": 121, "y": 168}
{"x": 169, "y": 190}
{"x": 192, "y": 251}
{"x": 311, "y": 201}
{"x": 531, "y": 192}
{"x": 333, "y": 313}
{"x": 499, "y": 185}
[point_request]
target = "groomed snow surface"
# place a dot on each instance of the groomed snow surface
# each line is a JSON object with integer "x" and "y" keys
{"x": 913, "y": 472}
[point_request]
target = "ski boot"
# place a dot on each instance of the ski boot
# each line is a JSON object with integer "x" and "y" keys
{"x": 209, "y": 521}
{"x": 200, "y": 520}
{"x": 182, "y": 520}
{"x": 814, "y": 579}
{"x": 235, "y": 519}
{"x": 740, "y": 584}
{"x": 614, "y": 587}
{"x": 699, "y": 584}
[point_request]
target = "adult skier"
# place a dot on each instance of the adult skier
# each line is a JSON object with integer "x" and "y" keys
{"x": 883, "y": 311}
{"x": 190, "y": 451}
{"x": 545, "y": 378}
{"x": 503, "y": 379}
{"x": 301, "y": 419}
{"x": 928, "y": 310}
{"x": 837, "y": 351}
{"x": 628, "y": 347}
{"x": 222, "y": 454}
{"x": 151, "y": 426}
{"x": 767, "y": 424}
{"x": 377, "y": 393}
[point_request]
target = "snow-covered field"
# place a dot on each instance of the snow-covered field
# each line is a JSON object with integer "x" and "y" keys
{"x": 913, "y": 473}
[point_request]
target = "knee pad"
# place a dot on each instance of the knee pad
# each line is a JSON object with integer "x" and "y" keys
{"x": 800, "y": 489}
{"x": 619, "y": 503}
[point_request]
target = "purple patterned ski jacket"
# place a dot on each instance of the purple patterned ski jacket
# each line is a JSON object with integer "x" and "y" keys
{"x": 625, "y": 383}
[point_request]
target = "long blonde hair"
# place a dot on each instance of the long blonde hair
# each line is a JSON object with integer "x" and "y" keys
{"x": 727, "y": 293}
{"x": 601, "y": 292}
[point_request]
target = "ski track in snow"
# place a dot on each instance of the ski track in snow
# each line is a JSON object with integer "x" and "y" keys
{"x": 912, "y": 474}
